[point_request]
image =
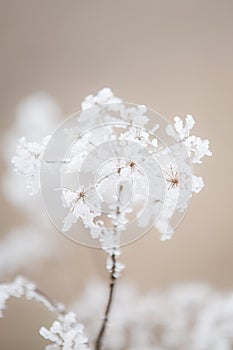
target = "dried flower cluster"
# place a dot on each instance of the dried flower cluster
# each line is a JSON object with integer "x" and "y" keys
{"x": 113, "y": 142}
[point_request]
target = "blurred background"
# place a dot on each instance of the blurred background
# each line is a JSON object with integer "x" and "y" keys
{"x": 176, "y": 57}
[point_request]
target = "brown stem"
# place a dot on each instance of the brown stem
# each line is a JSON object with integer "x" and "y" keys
{"x": 98, "y": 344}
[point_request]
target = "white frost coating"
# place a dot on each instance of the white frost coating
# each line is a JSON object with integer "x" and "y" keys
{"x": 21, "y": 287}
{"x": 196, "y": 147}
{"x": 118, "y": 267}
{"x": 27, "y": 162}
{"x": 66, "y": 334}
{"x": 121, "y": 183}
{"x": 79, "y": 209}
{"x": 104, "y": 96}
{"x": 197, "y": 184}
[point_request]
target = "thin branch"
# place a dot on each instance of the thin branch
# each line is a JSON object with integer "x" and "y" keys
{"x": 58, "y": 307}
{"x": 99, "y": 340}
{"x": 30, "y": 293}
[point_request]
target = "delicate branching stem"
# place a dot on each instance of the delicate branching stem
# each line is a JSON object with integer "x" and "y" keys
{"x": 37, "y": 295}
{"x": 98, "y": 345}
{"x": 58, "y": 308}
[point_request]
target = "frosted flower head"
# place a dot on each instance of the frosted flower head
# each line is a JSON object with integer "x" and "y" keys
{"x": 114, "y": 170}
{"x": 117, "y": 177}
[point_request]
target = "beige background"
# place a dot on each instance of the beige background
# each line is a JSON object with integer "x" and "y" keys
{"x": 174, "y": 56}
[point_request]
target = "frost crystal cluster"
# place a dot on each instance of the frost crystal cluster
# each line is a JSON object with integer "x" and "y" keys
{"x": 65, "y": 333}
{"x": 19, "y": 288}
{"x": 117, "y": 168}
{"x": 28, "y": 161}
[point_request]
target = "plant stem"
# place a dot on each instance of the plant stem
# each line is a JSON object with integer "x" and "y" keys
{"x": 99, "y": 339}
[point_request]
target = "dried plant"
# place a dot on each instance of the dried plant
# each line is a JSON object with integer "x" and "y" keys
{"x": 107, "y": 175}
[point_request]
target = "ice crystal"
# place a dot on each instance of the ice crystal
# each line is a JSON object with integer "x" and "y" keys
{"x": 196, "y": 147}
{"x": 114, "y": 268}
{"x": 104, "y": 96}
{"x": 66, "y": 334}
{"x": 27, "y": 162}
{"x": 197, "y": 184}
{"x": 21, "y": 287}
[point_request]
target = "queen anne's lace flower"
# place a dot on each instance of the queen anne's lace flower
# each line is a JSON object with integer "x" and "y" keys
{"x": 140, "y": 147}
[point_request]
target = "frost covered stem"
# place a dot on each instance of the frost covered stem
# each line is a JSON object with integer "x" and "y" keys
{"x": 99, "y": 339}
